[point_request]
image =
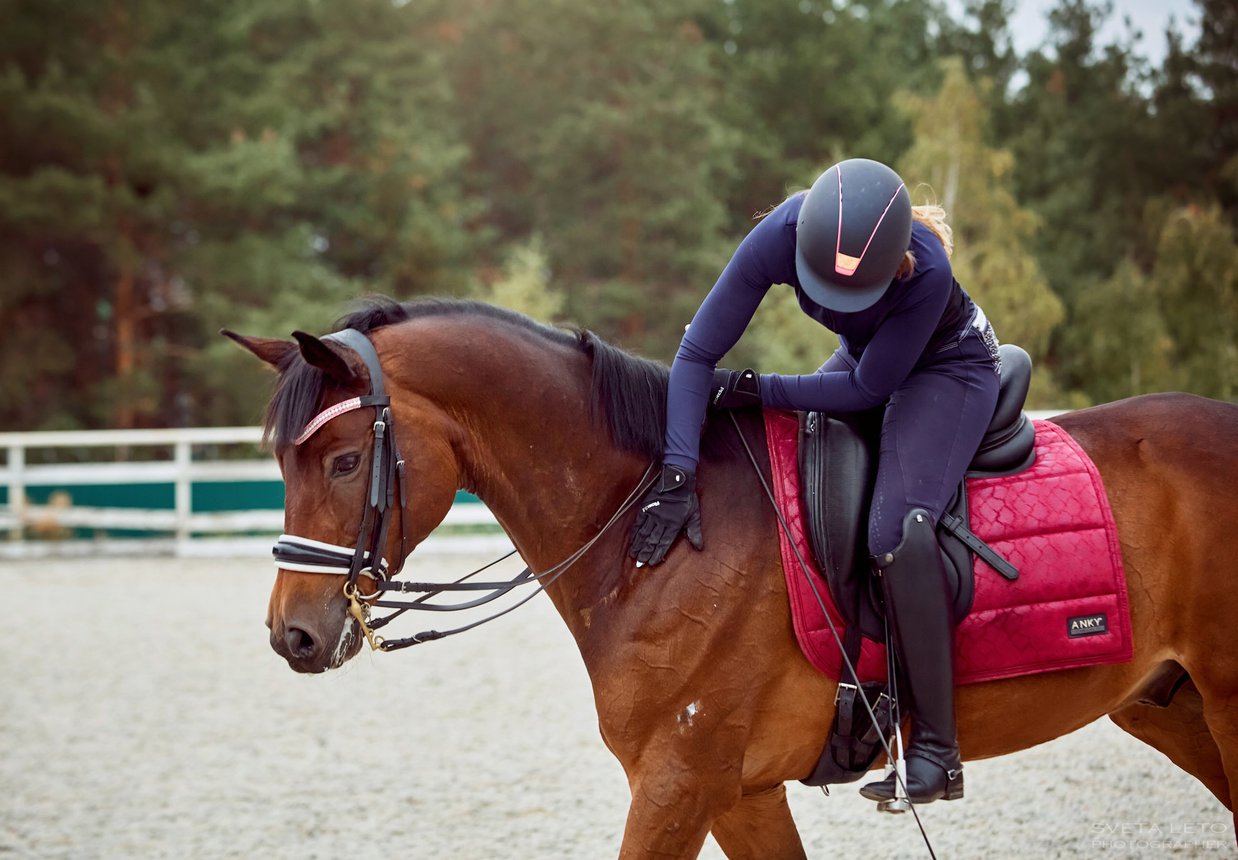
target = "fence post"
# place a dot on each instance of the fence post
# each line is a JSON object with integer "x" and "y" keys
{"x": 184, "y": 491}
{"x": 17, "y": 489}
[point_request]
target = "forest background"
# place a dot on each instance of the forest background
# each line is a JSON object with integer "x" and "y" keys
{"x": 168, "y": 168}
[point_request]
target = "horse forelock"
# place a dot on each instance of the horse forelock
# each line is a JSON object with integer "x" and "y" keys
{"x": 294, "y": 402}
{"x": 628, "y": 393}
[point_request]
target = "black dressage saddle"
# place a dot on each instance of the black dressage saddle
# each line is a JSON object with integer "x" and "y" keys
{"x": 837, "y": 471}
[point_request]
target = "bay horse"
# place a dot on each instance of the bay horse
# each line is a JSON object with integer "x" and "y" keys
{"x": 701, "y": 690}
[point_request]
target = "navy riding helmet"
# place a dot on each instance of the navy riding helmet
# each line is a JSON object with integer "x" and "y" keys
{"x": 852, "y": 233}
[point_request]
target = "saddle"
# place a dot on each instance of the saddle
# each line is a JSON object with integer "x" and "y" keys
{"x": 837, "y": 473}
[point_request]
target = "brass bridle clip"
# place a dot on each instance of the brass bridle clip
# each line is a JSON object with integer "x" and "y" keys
{"x": 361, "y": 613}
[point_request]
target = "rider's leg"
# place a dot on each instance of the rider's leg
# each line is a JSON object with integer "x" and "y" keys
{"x": 913, "y": 582}
{"x": 932, "y": 427}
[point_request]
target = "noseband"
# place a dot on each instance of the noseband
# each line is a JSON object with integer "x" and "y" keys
{"x": 387, "y": 491}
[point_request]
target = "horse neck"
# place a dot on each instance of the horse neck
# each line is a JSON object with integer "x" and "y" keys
{"x": 529, "y": 449}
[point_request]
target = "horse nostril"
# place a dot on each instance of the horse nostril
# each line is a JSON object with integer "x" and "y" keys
{"x": 300, "y": 643}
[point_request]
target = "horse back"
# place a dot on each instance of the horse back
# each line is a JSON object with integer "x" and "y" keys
{"x": 1175, "y": 436}
{"x": 1169, "y": 463}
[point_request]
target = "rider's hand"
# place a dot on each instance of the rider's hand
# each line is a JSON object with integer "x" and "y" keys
{"x": 735, "y": 389}
{"x": 669, "y": 507}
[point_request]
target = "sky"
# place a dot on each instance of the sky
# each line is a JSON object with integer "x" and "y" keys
{"x": 1029, "y": 24}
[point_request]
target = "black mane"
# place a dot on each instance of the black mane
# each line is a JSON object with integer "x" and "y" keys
{"x": 628, "y": 392}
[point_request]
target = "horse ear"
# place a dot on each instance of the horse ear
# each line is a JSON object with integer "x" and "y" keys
{"x": 271, "y": 350}
{"x": 325, "y": 358}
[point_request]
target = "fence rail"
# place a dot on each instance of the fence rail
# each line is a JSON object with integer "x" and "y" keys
{"x": 188, "y": 529}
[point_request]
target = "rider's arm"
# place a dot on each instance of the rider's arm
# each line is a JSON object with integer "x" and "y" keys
{"x": 717, "y": 327}
{"x": 887, "y": 359}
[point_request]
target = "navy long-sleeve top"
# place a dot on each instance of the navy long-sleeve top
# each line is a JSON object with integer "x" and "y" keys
{"x": 915, "y": 317}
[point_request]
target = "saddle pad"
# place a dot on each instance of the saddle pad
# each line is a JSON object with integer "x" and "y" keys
{"x": 1067, "y": 609}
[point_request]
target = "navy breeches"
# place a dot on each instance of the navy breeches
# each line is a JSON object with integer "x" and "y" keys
{"x": 933, "y": 425}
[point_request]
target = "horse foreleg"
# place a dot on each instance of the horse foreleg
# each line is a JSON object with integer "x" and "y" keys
{"x": 759, "y": 827}
{"x": 1181, "y": 733}
{"x": 673, "y": 807}
{"x": 1221, "y": 714}
{"x": 1217, "y": 682}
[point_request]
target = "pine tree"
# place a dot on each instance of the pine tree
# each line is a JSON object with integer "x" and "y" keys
{"x": 593, "y": 126}
{"x": 1196, "y": 276}
{"x": 809, "y": 83}
{"x": 951, "y": 164}
{"x": 525, "y": 284}
{"x": 166, "y": 171}
{"x": 1119, "y": 338}
{"x": 783, "y": 339}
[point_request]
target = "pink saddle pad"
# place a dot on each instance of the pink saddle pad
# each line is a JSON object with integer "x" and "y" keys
{"x": 1067, "y": 609}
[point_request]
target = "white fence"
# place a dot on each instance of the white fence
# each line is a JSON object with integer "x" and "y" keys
{"x": 191, "y": 532}
{"x": 185, "y": 525}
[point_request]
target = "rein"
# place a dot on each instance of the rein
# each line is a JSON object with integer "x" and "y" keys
{"x": 851, "y": 670}
{"x": 387, "y": 490}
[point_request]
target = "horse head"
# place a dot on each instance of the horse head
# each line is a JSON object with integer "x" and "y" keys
{"x": 330, "y": 435}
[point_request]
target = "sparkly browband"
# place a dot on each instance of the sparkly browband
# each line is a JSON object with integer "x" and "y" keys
{"x": 326, "y": 415}
{"x": 341, "y": 408}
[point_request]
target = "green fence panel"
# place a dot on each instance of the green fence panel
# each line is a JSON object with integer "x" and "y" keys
{"x": 207, "y": 497}
{"x": 149, "y": 496}
{"x": 211, "y": 496}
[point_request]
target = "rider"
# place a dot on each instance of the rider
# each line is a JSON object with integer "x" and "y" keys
{"x": 876, "y": 271}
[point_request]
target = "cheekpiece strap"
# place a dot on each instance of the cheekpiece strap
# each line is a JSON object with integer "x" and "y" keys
{"x": 386, "y": 469}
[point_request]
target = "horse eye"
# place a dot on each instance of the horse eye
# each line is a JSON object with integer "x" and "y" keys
{"x": 345, "y": 464}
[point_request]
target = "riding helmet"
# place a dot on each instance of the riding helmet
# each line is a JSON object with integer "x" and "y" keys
{"x": 852, "y": 234}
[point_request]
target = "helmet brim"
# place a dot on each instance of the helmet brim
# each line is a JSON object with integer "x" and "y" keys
{"x": 845, "y": 299}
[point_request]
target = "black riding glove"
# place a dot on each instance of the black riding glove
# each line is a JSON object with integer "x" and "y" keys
{"x": 735, "y": 389}
{"x": 668, "y": 508}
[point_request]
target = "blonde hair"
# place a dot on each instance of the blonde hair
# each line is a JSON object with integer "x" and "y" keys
{"x": 933, "y": 217}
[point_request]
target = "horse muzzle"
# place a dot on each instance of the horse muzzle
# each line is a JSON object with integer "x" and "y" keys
{"x": 315, "y": 644}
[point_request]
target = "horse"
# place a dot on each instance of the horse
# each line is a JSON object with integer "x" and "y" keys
{"x": 702, "y": 692}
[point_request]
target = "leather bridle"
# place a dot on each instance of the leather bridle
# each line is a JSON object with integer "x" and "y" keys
{"x": 387, "y": 491}
{"x": 387, "y": 478}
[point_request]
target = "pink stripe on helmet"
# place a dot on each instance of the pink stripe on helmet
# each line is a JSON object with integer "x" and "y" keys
{"x": 838, "y": 242}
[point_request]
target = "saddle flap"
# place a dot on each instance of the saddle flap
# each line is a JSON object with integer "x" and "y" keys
{"x": 836, "y": 472}
{"x": 958, "y": 556}
{"x": 836, "y": 463}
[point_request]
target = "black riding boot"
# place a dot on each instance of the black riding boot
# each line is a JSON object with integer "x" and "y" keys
{"x": 913, "y": 580}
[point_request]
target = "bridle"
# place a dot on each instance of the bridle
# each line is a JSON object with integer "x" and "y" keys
{"x": 387, "y": 475}
{"x": 387, "y": 491}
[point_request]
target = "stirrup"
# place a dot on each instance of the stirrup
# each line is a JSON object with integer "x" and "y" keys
{"x": 889, "y": 795}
